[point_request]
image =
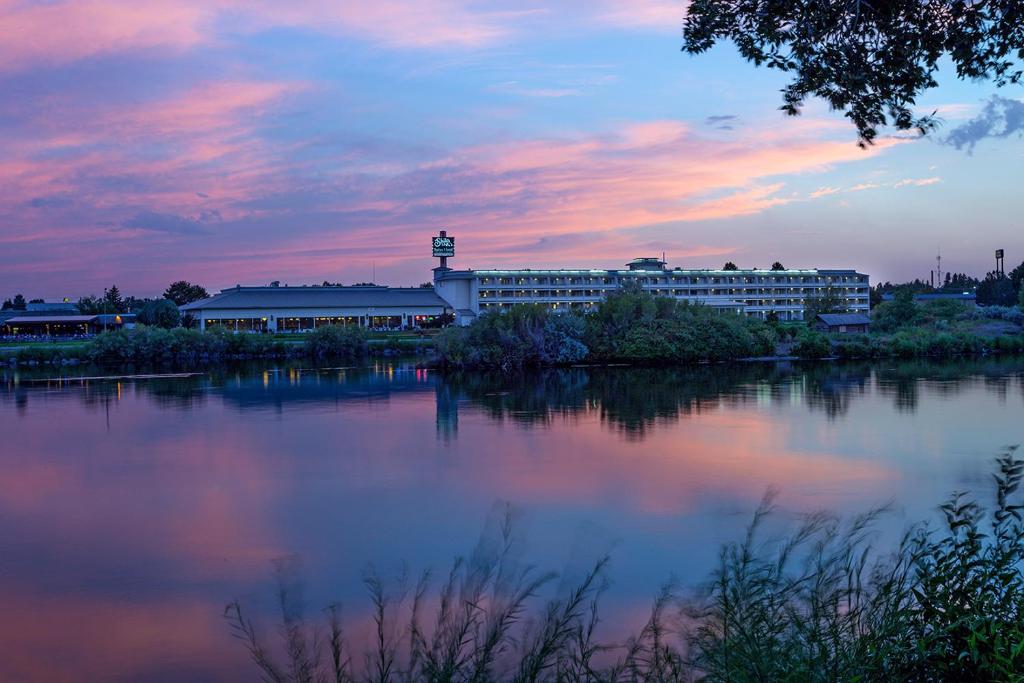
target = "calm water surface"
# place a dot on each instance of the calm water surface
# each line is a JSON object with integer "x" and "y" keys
{"x": 132, "y": 510}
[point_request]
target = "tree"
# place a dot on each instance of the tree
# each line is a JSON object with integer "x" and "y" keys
{"x": 729, "y": 265}
{"x": 996, "y": 290}
{"x": 90, "y": 305}
{"x": 869, "y": 60}
{"x": 19, "y": 303}
{"x": 1017, "y": 276}
{"x": 827, "y": 302}
{"x": 778, "y": 266}
{"x": 183, "y": 292}
{"x": 1020, "y": 298}
{"x": 112, "y": 301}
{"x": 8, "y": 305}
{"x": 37, "y": 301}
{"x": 160, "y": 313}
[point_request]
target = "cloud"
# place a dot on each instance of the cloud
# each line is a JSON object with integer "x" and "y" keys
{"x": 658, "y": 14}
{"x": 1000, "y": 118}
{"x": 917, "y": 182}
{"x": 722, "y": 121}
{"x": 63, "y": 31}
{"x": 165, "y": 222}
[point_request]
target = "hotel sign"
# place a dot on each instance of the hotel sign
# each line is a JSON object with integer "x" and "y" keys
{"x": 442, "y": 246}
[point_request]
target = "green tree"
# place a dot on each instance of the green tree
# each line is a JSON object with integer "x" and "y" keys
{"x": 112, "y": 301}
{"x": 183, "y": 292}
{"x": 778, "y": 266}
{"x": 90, "y": 305}
{"x": 160, "y": 313}
{"x": 870, "y": 61}
{"x": 1017, "y": 276}
{"x": 996, "y": 290}
{"x": 19, "y": 303}
{"x": 828, "y": 301}
{"x": 729, "y": 265}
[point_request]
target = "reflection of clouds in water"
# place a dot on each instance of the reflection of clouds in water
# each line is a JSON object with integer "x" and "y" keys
{"x": 180, "y": 503}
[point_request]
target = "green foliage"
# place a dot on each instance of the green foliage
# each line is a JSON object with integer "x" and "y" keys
{"x": 154, "y": 345}
{"x": 523, "y": 336}
{"x": 828, "y": 302}
{"x": 90, "y": 305}
{"x": 1020, "y": 298}
{"x": 336, "y": 341}
{"x": 159, "y": 313}
{"x": 778, "y": 266}
{"x": 812, "y": 344}
{"x": 996, "y": 290}
{"x": 183, "y": 292}
{"x": 729, "y": 265}
{"x": 113, "y": 302}
{"x": 891, "y": 315}
{"x": 629, "y": 326}
{"x": 872, "y": 61}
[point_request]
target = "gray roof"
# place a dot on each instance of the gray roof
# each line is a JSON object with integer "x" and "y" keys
{"x": 51, "y": 319}
{"x": 832, "y": 319}
{"x": 320, "y": 297}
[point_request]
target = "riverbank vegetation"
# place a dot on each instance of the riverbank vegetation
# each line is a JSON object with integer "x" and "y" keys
{"x": 819, "y": 604}
{"x": 629, "y": 326}
{"x": 180, "y": 346}
{"x": 902, "y": 328}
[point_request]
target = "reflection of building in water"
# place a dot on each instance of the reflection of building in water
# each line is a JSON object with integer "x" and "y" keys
{"x": 447, "y": 411}
{"x": 753, "y": 292}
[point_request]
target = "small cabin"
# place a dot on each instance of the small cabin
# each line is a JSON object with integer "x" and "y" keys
{"x": 842, "y": 323}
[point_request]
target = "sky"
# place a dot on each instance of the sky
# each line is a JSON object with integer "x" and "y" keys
{"x": 229, "y": 142}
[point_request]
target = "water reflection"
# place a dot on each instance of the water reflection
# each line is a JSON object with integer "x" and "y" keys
{"x": 131, "y": 510}
{"x": 631, "y": 401}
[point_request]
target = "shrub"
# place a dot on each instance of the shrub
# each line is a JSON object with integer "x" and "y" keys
{"x": 812, "y": 344}
{"x": 160, "y": 313}
{"x": 336, "y": 341}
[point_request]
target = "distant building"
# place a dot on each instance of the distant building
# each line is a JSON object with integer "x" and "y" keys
{"x": 64, "y": 325}
{"x": 966, "y": 297}
{"x": 298, "y": 309}
{"x": 51, "y": 308}
{"x": 843, "y": 323}
{"x": 755, "y": 293}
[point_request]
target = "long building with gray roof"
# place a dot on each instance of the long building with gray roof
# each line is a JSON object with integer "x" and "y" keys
{"x": 298, "y": 309}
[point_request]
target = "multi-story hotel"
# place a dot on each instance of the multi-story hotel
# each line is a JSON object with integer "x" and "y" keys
{"x": 751, "y": 292}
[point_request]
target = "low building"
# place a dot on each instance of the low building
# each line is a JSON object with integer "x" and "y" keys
{"x": 967, "y": 298}
{"x": 755, "y": 293}
{"x": 64, "y": 325}
{"x": 843, "y": 323}
{"x": 299, "y": 309}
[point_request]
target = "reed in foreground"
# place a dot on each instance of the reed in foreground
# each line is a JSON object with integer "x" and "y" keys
{"x": 820, "y": 604}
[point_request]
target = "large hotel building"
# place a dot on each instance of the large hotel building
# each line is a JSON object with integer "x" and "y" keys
{"x": 466, "y": 294}
{"x": 750, "y": 292}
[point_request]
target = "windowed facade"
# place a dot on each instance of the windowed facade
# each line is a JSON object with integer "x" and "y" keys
{"x": 757, "y": 293}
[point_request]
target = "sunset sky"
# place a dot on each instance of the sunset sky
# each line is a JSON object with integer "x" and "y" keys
{"x": 225, "y": 142}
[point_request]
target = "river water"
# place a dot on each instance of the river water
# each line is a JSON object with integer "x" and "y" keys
{"x": 133, "y": 509}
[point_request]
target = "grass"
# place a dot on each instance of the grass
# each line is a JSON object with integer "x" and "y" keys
{"x": 819, "y": 604}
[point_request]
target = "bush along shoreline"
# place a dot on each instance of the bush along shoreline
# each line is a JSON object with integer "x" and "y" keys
{"x": 627, "y": 327}
{"x": 819, "y": 603}
{"x": 185, "y": 347}
{"x": 636, "y": 328}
